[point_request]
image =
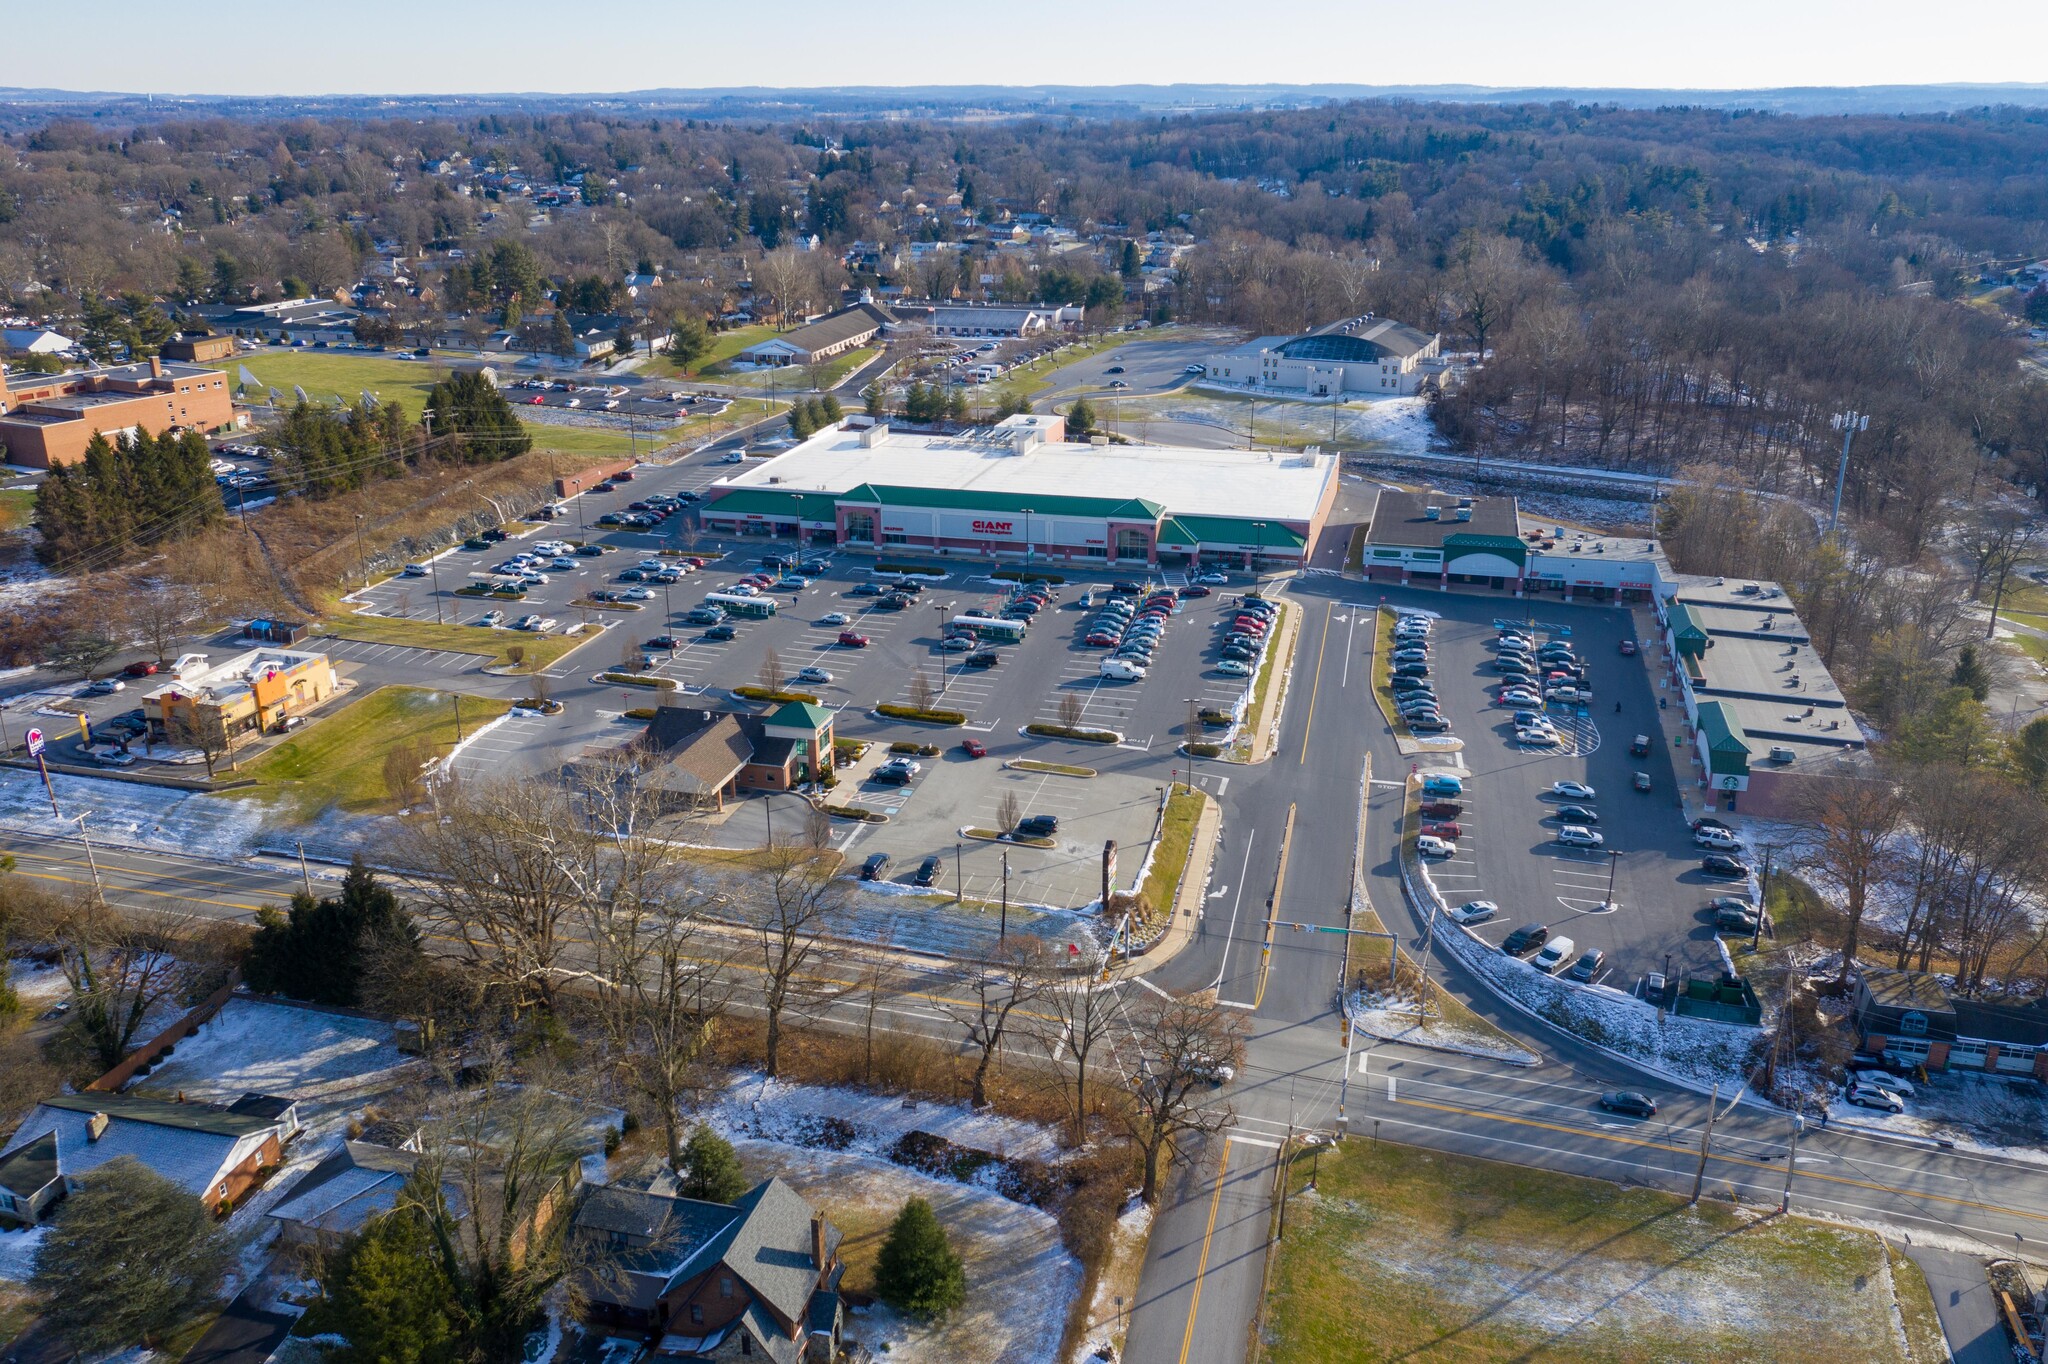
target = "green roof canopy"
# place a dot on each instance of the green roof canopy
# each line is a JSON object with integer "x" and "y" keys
{"x": 800, "y": 715}
{"x": 1687, "y": 630}
{"x": 1727, "y": 744}
{"x": 773, "y": 502}
{"x": 1228, "y": 530}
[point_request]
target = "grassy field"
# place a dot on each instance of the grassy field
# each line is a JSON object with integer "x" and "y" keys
{"x": 1406, "y": 1254}
{"x": 796, "y": 378}
{"x": 724, "y": 345}
{"x": 16, "y": 506}
{"x": 1257, "y": 717}
{"x": 540, "y": 651}
{"x": 338, "y": 762}
{"x": 328, "y": 376}
{"x": 1162, "y": 879}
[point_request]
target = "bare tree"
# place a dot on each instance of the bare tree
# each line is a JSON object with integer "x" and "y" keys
{"x": 1180, "y": 1048}
{"x": 157, "y": 614}
{"x": 1010, "y": 978}
{"x": 120, "y": 968}
{"x": 1855, "y": 820}
{"x": 772, "y": 676}
{"x": 798, "y": 899}
{"x": 185, "y": 727}
{"x": 921, "y": 693}
{"x": 1073, "y": 1026}
{"x": 1072, "y": 710}
{"x": 1009, "y": 812}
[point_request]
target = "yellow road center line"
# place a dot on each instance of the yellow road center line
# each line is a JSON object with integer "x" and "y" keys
{"x": 1187, "y": 1340}
{"x": 1316, "y": 686}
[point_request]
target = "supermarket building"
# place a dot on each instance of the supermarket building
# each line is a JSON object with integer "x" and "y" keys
{"x": 1021, "y": 490}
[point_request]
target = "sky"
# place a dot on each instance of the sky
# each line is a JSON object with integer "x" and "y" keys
{"x": 291, "y": 47}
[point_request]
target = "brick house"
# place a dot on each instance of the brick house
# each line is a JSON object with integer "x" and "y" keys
{"x": 1910, "y": 1016}
{"x": 756, "y": 1279}
{"x": 216, "y": 1152}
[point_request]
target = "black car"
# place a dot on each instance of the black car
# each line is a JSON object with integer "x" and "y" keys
{"x": 1039, "y": 826}
{"x": 590, "y": 551}
{"x": 985, "y": 658}
{"x": 1577, "y": 814}
{"x": 872, "y": 869}
{"x": 1526, "y": 939}
{"x": 494, "y": 535}
{"x": 663, "y": 642}
{"x": 721, "y": 632}
{"x": 1240, "y": 654}
{"x": 927, "y": 872}
{"x": 1411, "y": 684}
{"x": 866, "y": 590}
{"x": 892, "y": 603}
{"x": 1709, "y": 822}
{"x": 810, "y": 566}
{"x": 1128, "y": 589}
{"x": 1429, "y": 724}
{"x": 1720, "y": 864}
{"x": 1412, "y": 670}
{"x": 1629, "y": 1101}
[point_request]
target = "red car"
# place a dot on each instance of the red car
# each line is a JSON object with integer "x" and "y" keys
{"x": 853, "y": 639}
{"x": 538, "y": 400}
{"x": 974, "y": 748}
{"x": 140, "y": 669}
{"x": 1250, "y": 625}
{"x": 1194, "y": 590}
{"x": 1442, "y": 829}
{"x": 1442, "y": 809}
{"x": 1100, "y": 641}
{"x": 1628, "y": 648}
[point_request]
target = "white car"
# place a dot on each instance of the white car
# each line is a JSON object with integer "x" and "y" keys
{"x": 1877, "y": 1079}
{"x": 744, "y": 590}
{"x": 819, "y": 675}
{"x": 1520, "y": 696}
{"x": 109, "y": 755}
{"x": 493, "y": 618}
{"x": 638, "y": 594}
{"x": 1429, "y": 845}
{"x": 1572, "y": 790}
{"x": 1539, "y": 738}
{"x": 1720, "y": 840}
{"x": 1213, "y": 579}
{"x": 1234, "y": 667}
{"x": 1122, "y": 670}
{"x": 527, "y": 623}
{"x": 1563, "y": 692}
{"x": 1474, "y": 912}
{"x": 1870, "y": 1096}
{"x": 958, "y": 644}
{"x": 1578, "y": 836}
{"x": 655, "y": 564}
{"x": 1555, "y": 953}
{"x": 834, "y": 618}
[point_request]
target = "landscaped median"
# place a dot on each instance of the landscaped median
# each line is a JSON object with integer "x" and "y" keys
{"x": 1266, "y": 698}
{"x": 536, "y": 652}
{"x": 998, "y": 836}
{"x": 890, "y": 710}
{"x": 1169, "y": 861}
{"x": 1439, "y": 1257}
{"x": 778, "y": 698}
{"x": 369, "y": 756}
{"x": 1055, "y": 769}
{"x": 1078, "y": 733}
{"x": 637, "y": 680}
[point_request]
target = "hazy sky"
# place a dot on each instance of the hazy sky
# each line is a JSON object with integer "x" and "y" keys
{"x": 379, "y": 46}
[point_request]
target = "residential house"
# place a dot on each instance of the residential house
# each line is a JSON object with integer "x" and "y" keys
{"x": 36, "y": 341}
{"x": 217, "y": 1153}
{"x": 700, "y": 759}
{"x": 754, "y": 1279}
{"x": 337, "y": 1197}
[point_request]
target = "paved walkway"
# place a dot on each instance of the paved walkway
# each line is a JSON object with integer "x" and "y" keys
{"x": 1963, "y": 1301}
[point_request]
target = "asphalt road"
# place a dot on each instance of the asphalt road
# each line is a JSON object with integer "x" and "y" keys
{"x": 1963, "y": 1301}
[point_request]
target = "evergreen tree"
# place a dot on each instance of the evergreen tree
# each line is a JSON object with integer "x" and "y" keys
{"x": 228, "y": 284}
{"x": 193, "y": 280}
{"x": 830, "y": 409}
{"x": 918, "y": 1272}
{"x": 1081, "y": 416}
{"x": 2029, "y": 750}
{"x": 1970, "y": 673}
{"x": 1130, "y": 265}
{"x": 1012, "y": 404}
{"x": 956, "y": 403}
{"x": 689, "y": 341}
{"x": 388, "y": 1295}
{"x": 710, "y": 1168}
{"x": 130, "y": 1256}
{"x": 561, "y": 340}
{"x": 470, "y": 406}
{"x": 320, "y": 950}
{"x": 126, "y": 496}
{"x": 800, "y": 420}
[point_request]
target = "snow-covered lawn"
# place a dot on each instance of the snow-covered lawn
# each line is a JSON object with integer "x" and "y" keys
{"x": 1976, "y": 1112}
{"x": 18, "y": 1253}
{"x": 1021, "y": 1281}
{"x": 134, "y": 815}
{"x": 1398, "y": 1021}
{"x": 37, "y": 986}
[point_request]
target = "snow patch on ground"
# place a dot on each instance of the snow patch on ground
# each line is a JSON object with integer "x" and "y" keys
{"x": 774, "y": 1110}
{"x": 1976, "y": 1112}
{"x": 1398, "y": 1021}
{"x": 134, "y": 815}
{"x": 35, "y": 984}
{"x": 18, "y": 1253}
{"x": 1126, "y": 1257}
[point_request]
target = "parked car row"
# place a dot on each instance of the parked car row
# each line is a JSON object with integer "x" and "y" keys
{"x": 1415, "y": 698}
{"x": 1130, "y": 624}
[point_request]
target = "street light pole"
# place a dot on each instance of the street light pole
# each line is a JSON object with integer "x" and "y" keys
{"x": 957, "y": 884}
{"x": 1003, "y": 928}
{"x": 98, "y": 892}
{"x": 362, "y": 557}
{"x": 1613, "y": 861}
{"x": 434, "y": 567}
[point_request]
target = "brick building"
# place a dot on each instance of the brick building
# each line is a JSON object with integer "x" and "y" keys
{"x": 48, "y": 419}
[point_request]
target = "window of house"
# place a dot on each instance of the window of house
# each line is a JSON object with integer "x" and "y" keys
{"x": 1913, "y": 1023}
{"x": 696, "y": 1314}
{"x": 725, "y": 1288}
{"x": 746, "y": 1345}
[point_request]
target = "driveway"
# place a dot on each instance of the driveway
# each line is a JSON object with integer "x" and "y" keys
{"x": 1963, "y": 1301}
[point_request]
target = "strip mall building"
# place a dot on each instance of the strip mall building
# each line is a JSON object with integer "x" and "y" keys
{"x": 1021, "y": 490}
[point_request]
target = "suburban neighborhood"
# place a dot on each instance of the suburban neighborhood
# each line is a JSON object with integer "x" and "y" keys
{"x": 1000, "y": 726}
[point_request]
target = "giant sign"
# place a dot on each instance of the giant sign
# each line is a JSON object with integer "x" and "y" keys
{"x": 982, "y": 527}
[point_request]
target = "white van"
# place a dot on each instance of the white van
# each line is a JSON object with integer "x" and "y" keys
{"x": 415, "y": 570}
{"x": 1555, "y": 953}
{"x": 1121, "y": 670}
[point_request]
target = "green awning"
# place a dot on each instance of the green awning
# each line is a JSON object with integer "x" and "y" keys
{"x": 1228, "y": 532}
{"x": 772, "y": 503}
{"x": 1727, "y": 744}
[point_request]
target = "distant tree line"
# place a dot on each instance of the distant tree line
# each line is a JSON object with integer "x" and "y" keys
{"x": 127, "y": 496}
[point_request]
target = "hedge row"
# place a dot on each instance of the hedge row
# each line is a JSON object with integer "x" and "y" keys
{"x": 1087, "y": 736}
{"x": 1018, "y": 575}
{"x": 779, "y": 697}
{"x": 636, "y": 680}
{"x": 921, "y": 750}
{"x": 931, "y": 717}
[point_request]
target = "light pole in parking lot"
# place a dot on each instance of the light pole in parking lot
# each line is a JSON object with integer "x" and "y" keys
{"x": 434, "y": 567}
{"x": 942, "y": 607}
{"x": 1613, "y": 861}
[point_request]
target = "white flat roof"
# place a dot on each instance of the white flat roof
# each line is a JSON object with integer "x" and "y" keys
{"x": 1185, "y": 481}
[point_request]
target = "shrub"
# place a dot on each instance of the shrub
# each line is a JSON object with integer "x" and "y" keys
{"x": 636, "y": 680}
{"x": 932, "y": 717}
{"x": 921, "y": 750}
{"x": 1089, "y": 736}
{"x": 711, "y": 1169}
{"x": 918, "y": 1272}
{"x": 1202, "y": 750}
{"x": 754, "y": 693}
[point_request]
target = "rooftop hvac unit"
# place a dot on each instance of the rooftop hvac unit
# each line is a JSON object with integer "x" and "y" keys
{"x": 1464, "y": 501}
{"x": 1432, "y": 513}
{"x": 1462, "y": 514}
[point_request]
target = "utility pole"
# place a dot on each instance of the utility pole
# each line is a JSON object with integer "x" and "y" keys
{"x": 1003, "y": 930}
{"x": 1757, "y": 933}
{"x": 305, "y": 874}
{"x": 958, "y": 886}
{"x": 362, "y": 558}
{"x": 1848, "y": 423}
{"x": 1422, "y": 984}
{"x": 1791, "y": 1161}
{"x": 457, "y": 699}
{"x": 434, "y": 567}
{"x": 1706, "y": 1141}
{"x": 98, "y": 891}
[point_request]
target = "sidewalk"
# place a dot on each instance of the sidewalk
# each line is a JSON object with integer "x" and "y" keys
{"x": 1187, "y": 900}
{"x": 1691, "y": 799}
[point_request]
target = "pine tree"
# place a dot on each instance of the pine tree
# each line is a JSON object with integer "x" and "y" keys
{"x": 389, "y": 1297}
{"x": 918, "y": 1272}
{"x": 831, "y": 410}
{"x": 1970, "y": 673}
{"x": 320, "y": 950}
{"x": 711, "y": 1168}
{"x": 1081, "y": 416}
{"x": 131, "y": 1255}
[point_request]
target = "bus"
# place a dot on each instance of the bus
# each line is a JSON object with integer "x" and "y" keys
{"x": 990, "y": 628}
{"x": 746, "y": 608}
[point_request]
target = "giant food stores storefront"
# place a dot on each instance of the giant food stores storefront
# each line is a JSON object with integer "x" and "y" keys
{"x": 1021, "y": 490}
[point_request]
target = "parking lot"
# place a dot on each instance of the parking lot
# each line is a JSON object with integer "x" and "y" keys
{"x": 1507, "y": 848}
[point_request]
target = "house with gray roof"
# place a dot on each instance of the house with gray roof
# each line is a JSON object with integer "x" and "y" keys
{"x": 339, "y": 1196}
{"x": 216, "y": 1152}
{"x": 703, "y": 1280}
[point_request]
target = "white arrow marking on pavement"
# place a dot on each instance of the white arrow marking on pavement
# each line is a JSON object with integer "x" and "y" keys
{"x": 1219, "y": 892}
